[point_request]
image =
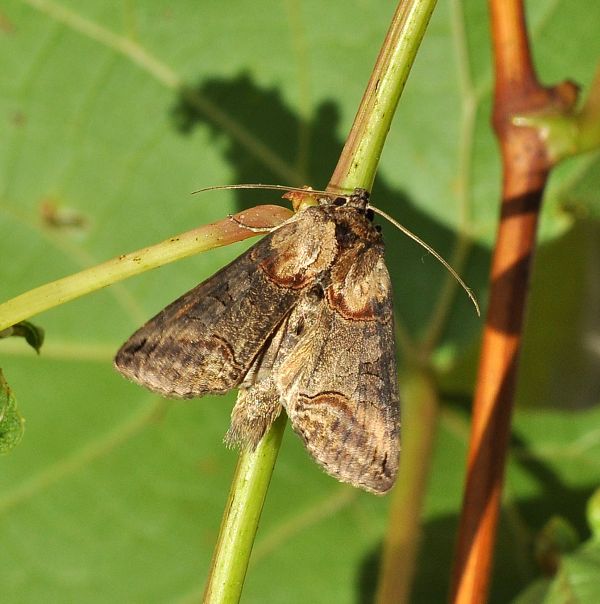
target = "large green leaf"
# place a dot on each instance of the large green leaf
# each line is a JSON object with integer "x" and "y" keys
{"x": 115, "y": 496}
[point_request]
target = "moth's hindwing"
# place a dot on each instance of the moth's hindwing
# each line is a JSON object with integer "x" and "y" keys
{"x": 206, "y": 341}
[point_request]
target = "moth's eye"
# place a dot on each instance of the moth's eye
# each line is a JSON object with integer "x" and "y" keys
{"x": 316, "y": 293}
{"x": 370, "y": 214}
{"x": 378, "y": 228}
{"x": 339, "y": 201}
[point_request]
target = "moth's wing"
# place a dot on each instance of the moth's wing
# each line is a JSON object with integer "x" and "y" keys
{"x": 258, "y": 402}
{"x": 206, "y": 341}
{"x": 338, "y": 376}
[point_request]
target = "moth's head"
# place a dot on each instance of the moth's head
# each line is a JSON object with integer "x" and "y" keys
{"x": 358, "y": 201}
{"x": 359, "y": 198}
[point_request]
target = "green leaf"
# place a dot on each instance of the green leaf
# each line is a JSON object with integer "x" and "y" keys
{"x": 33, "y": 334}
{"x": 556, "y": 538}
{"x": 553, "y": 468}
{"x": 115, "y": 495}
{"x": 577, "y": 580}
{"x": 534, "y": 594}
{"x": 12, "y": 425}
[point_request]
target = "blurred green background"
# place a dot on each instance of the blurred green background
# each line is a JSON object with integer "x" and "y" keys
{"x": 111, "y": 113}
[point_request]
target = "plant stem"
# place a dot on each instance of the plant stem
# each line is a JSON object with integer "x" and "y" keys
{"x": 526, "y": 165}
{"x": 360, "y": 157}
{"x": 570, "y": 133}
{"x": 356, "y": 168}
{"x": 420, "y": 415}
{"x": 201, "y": 239}
{"x": 242, "y": 514}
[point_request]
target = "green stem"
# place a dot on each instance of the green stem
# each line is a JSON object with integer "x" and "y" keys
{"x": 201, "y": 239}
{"x": 240, "y": 521}
{"x": 359, "y": 159}
{"x": 420, "y": 416}
{"x": 356, "y": 168}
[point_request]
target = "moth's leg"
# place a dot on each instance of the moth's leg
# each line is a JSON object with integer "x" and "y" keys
{"x": 250, "y": 228}
{"x": 256, "y": 408}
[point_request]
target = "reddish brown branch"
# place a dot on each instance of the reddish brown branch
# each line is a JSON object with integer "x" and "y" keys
{"x": 526, "y": 167}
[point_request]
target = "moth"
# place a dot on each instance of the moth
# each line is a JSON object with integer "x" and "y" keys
{"x": 302, "y": 321}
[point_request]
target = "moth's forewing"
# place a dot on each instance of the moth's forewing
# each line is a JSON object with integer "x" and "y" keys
{"x": 350, "y": 423}
{"x": 337, "y": 368}
{"x": 206, "y": 341}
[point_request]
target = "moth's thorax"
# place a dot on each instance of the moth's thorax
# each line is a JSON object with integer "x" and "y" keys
{"x": 359, "y": 199}
{"x": 353, "y": 225}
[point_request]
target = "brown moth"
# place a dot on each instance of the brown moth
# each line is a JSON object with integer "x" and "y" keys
{"x": 302, "y": 321}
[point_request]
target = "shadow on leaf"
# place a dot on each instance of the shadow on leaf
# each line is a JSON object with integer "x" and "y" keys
{"x": 311, "y": 148}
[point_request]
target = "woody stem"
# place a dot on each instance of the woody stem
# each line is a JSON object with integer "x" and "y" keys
{"x": 526, "y": 165}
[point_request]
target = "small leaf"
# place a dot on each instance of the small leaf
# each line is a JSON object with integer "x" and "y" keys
{"x": 556, "y": 538}
{"x": 33, "y": 334}
{"x": 12, "y": 425}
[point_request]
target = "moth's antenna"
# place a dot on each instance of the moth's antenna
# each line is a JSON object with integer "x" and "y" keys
{"x": 432, "y": 252}
{"x": 261, "y": 186}
{"x": 310, "y": 191}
